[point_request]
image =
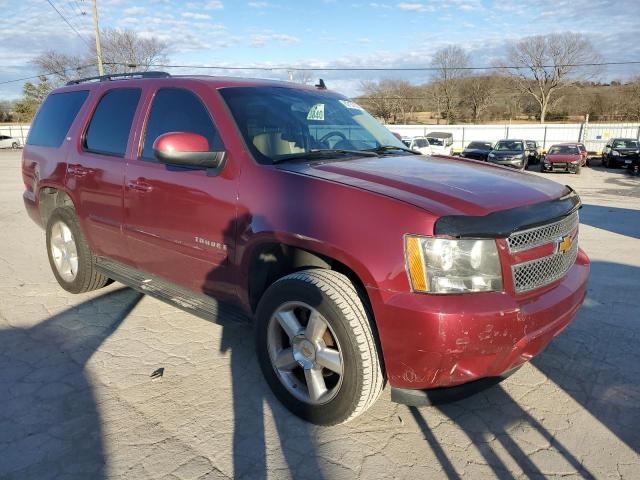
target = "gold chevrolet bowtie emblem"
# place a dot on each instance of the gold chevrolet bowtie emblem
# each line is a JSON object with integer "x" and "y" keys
{"x": 563, "y": 244}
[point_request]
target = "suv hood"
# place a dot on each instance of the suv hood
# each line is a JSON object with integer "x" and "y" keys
{"x": 438, "y": 185}
{"x": 507, "y": 153}
{"x": 563, "y": 158}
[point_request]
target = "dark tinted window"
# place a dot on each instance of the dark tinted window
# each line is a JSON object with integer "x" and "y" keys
{"x": 55, "y": 118}
{"x": 178, "y": 110}
{"x": 110, "y": 125}
{"x": 480, "y": 145}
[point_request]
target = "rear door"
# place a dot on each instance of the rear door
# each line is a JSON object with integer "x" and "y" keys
{"x": 95, "y": 172}
{"x": 180, "y": 222}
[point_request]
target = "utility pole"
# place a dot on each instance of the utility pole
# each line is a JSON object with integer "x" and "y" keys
{"x": 98, "y": 47}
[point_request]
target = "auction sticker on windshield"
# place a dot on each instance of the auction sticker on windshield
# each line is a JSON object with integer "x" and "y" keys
{"x": 316, "y": 112}
{"x": 351, "y": 105}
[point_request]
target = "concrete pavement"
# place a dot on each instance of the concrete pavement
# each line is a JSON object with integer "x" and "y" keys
{"x": 77, "y": 399}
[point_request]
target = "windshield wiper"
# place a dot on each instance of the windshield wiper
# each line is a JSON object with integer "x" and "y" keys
{"x": 325, "y": 153}
{"x": 388, "y": 148}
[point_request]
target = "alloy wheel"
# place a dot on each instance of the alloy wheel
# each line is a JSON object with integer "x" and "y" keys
{"x": 64, "y": 251}
{"x": 305, "y": 353}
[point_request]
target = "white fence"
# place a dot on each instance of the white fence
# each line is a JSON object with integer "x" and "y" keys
{"x": 15, "y": 131}
{"x": 593, "y": 135}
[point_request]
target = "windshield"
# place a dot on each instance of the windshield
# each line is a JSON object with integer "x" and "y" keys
{"x": 280, "y": 122}
{"x": 407, "y": 142}
{"x": 564, "y": 150}
{"x": 625, "y": 144}
{"x": 509, "y": 145}
{"x": 480, "y": 145}
{"x": 436, "y": 141}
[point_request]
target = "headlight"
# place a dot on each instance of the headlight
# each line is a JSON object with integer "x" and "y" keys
{"x": 615, "y": 153}
{"x": 491, "y": 155}
{"x": 439, "y": 265}
{"x": 575, "y": 161}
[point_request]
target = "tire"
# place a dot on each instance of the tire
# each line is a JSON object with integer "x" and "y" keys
{"x": 577, "y": 170}
{"x": 605, "y": 162}
{"x": 14, "y": 145}
{"x": 335, "y": 299}
{"x": 86, "y": 278}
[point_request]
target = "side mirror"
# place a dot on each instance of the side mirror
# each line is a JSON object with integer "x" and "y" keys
{"x": 186, "y": 149}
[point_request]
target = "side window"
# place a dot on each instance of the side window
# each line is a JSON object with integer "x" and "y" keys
{"x": 109, "y": 128}
{"x": 178, "y": 110}
{"x": 55, "y": 117}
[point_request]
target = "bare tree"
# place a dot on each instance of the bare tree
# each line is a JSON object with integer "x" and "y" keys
{"x": 125, "y": 51}
{"x": 303, "y": 76}
{"x": 542, "y": 65}
{"x": 62, "y": 67}
{"x": 122, "y": 51}
{"x": 391, "y": 100}
{"x": 632, "y": 91}
{"x": 450, "y": 65}
{"x": 478, "y": 93}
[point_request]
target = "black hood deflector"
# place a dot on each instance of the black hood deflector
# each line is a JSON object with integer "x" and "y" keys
{"x": 503, "y": 223}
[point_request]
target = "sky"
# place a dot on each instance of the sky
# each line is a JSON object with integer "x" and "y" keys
{"x": 320, "y": 33}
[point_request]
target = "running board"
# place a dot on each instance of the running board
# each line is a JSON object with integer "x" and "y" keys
{"x": 198, "y": 304}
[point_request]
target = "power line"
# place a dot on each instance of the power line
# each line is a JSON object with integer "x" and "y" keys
{"x": 319, "y": 69}
{"x": 387, "y": 69}
{"x": 68, "y": 23}
{"x": 58, "y": 72}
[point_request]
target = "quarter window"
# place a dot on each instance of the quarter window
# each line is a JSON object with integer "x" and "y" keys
{"x": 108, "y": 131}
{"x": 178, "y": 110}
{"x": 55, "y": 117}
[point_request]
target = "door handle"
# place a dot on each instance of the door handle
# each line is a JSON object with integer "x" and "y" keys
{"x": 79, "y": 170}
{"x": 140, "y": 185}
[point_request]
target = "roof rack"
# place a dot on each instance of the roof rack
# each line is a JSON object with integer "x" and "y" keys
{"x": 106, "y": 78}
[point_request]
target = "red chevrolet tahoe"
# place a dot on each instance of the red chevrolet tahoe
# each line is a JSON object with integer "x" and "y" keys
{"x": 359, "y": 261}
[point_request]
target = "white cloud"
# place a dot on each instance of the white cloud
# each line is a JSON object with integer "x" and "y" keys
{"x": 414, "y": 7}
{"x": 214, "y": 5}
{"x": 196, "y": 16}
{"x": 261, "y": 40}
{"x": 258, "y": 4}
{"x": 134, "y": 11}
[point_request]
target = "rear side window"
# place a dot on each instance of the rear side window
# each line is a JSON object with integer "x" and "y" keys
{"x": 55, "y": 117}
{"x": 178, "y": 110}
{"x": 108, "y": 131}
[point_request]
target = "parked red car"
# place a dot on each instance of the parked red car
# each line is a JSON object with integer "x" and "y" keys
{"x": 564, "y": 157}
{"x": 359, "y": 261}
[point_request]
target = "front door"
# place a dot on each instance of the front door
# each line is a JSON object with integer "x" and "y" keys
{"x": 180, "y": 222}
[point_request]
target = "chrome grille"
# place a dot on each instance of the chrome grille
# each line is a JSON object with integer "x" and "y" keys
{"x": 534, "y": 237}
{"x": 543, "y": 271}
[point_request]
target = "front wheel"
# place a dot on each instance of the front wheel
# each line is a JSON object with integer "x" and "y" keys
{"x": 14, "y": 145}
{"x": 316, "y": 347}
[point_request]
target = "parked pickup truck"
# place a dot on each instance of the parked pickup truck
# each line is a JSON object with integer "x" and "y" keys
{"x": 359, "y": 261}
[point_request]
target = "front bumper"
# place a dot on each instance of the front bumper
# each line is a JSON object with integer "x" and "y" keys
{"x": 560, "y": 167}
{"x": 516, "y": 162}
{"x": 432, "y": 341}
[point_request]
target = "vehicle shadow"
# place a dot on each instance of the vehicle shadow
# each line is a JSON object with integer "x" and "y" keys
{"x": 596, "y": 360}
{"x": 614, "y": 219}
{"x": 49, "y": 422}
{"x": 254, "y": 404}
{"x": 495, "y": 420}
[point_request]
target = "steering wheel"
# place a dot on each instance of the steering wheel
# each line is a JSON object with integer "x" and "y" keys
{"x": 334, "y": 133}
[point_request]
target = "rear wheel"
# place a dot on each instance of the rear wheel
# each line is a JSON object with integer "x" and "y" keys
{"x": 14, "y": 145}
{"x": 70, "y": 258}
{"x": 316, "y": 347}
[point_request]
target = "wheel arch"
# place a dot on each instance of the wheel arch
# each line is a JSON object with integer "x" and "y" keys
{"x": 271, "y": 260}
{"x": 50, "y": 198}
